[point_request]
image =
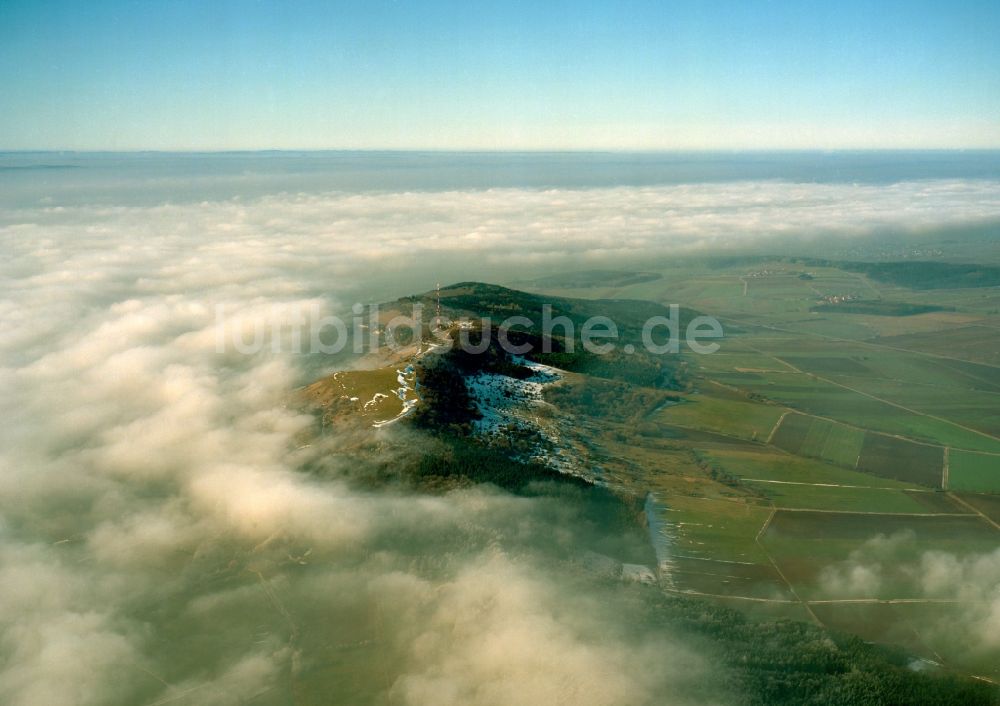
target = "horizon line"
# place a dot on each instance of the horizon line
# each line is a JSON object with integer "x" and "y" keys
{"x": 433, "y": 150}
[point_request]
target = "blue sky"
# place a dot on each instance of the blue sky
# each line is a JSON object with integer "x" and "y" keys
{"x": 202, "y": 75}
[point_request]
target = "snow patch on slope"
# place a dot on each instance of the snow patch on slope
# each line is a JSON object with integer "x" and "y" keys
{"x": 513, "y": 411}
{"x": 407, "y": 381}
{"x": 508, "y": 403}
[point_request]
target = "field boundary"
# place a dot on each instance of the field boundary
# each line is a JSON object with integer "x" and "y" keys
{"x": 975, "y": 510}
{"x": 886, "y": 514}
{"x": 838, "y": 485}
{"x": 860, "y": 342}
{"x": 856, "y": 391}
{"x": 774, "y": 429}
{"x": 777, "y": 569}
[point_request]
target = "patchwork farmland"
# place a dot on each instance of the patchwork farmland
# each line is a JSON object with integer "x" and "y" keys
{"x": 822, "y": 456}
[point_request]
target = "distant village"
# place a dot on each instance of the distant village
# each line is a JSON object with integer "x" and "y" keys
{"x": 839, "y": 298}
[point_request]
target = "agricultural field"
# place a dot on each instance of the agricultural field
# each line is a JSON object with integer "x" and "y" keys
{"x": 975, "y": 344}
{"x": 802, "y": 471}
{"x": 768, "y": 464}
{"x": 973, "y": 472}
{"x": 862, "y": 378}
{"x": 854, "y": 405}
{"x": 819, "y": 438}
{"x": 721, "y": 411}
{"x": 729, "y": 578}
{"x": 961, "y": 530}
{"x": 807, "y": 545}
{"x": 961, "y": 533}
{"x": 880, "y": 500}
{"x": 717, "y": 529}
{"x": 876, "y": 622}
{"x": 944, "y": 396}
{"x": 878, "y": 454}
{"x": 943, "y": 630}
{"x": 889, "y": 457}
{"x": 989, "y": 505}
{"x": 927, "y": 630}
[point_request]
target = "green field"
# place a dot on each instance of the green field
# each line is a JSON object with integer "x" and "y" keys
{"x": 775, "y": 465}
{"x": 814, "y": 497}
{"x": 837, "y": 418}
{"x": 804, "y": 544}
{"x": 881, "y": 455}
{"x": 945, "y": 630}
{"x": 890, "y": 457}
{"x": 725, "y": 415}
{"x": 876, "y": 622}
{"x": 819, "y": 438}
{"x": 989, "y": 505}
{"x": 926, "y": 630}
{"x": 813, "y": 396}
{"x": 972, "y": 344}
{"x": 974, "y": 472}
{"x": 729, "y": 578}
{"x": 863, "y": 384}
{"x": 944, "y": 395}
{"x": 717, "y": 529}
{"x": 965, "y": 534}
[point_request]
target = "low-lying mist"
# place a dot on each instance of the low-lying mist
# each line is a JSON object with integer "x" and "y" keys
{"x": 967, "y": 620}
